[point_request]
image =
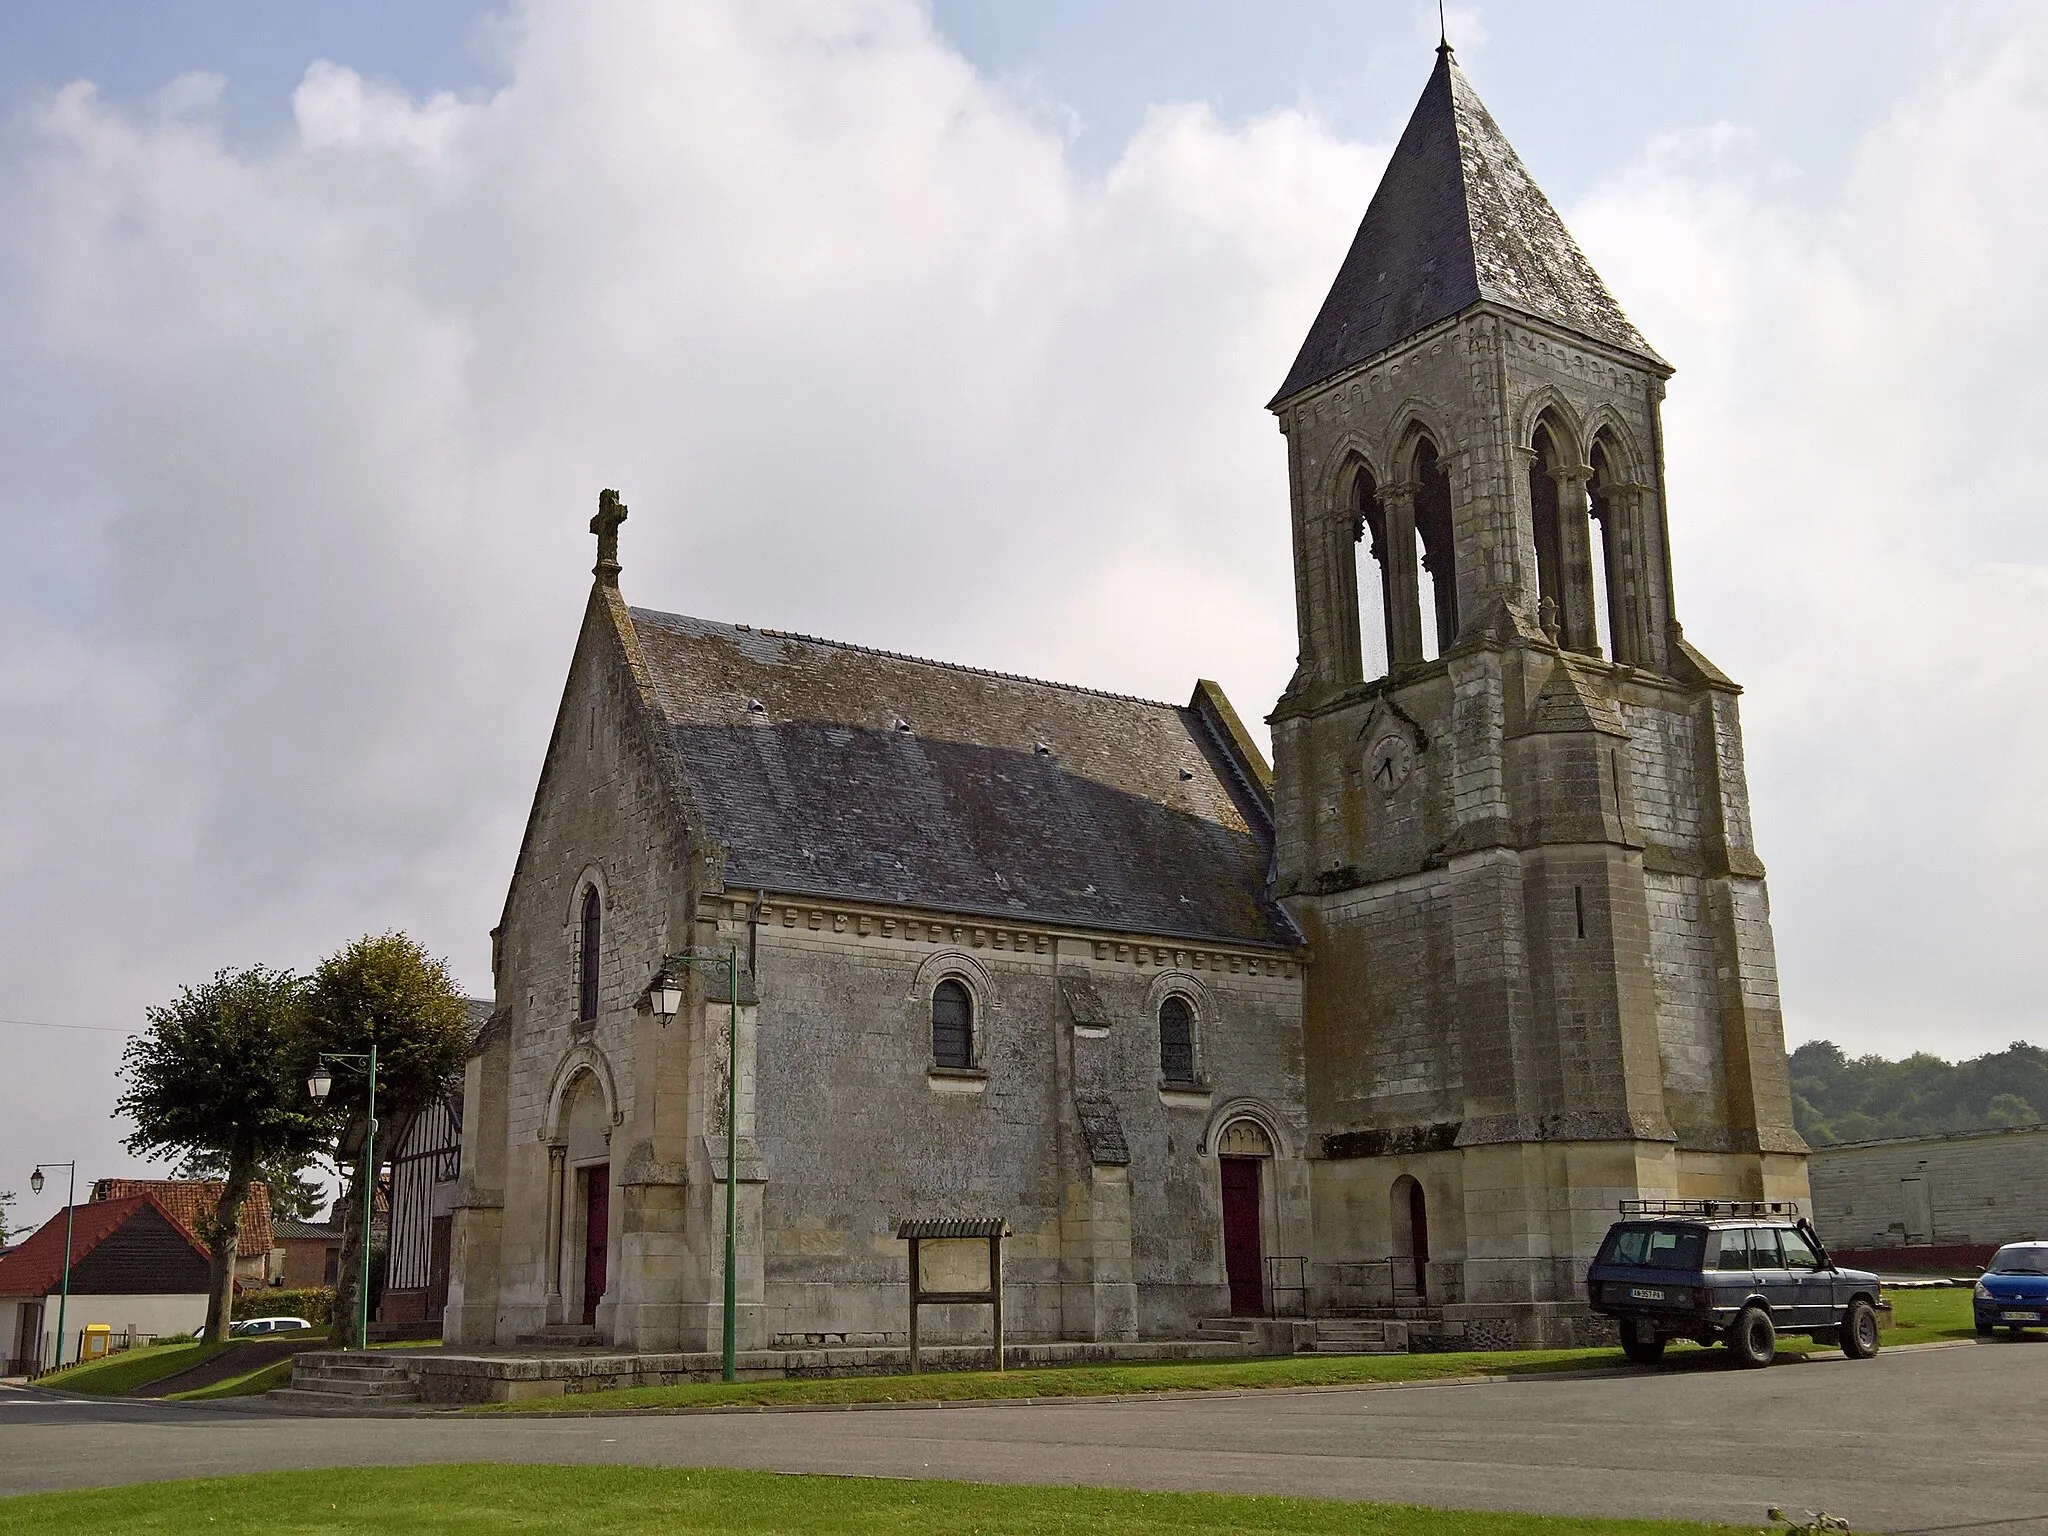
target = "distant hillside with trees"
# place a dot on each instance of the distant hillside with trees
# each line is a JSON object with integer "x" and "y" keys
{"x": 1837, "y": 1097}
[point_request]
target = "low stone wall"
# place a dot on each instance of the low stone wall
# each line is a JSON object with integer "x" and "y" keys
{"x": 447, "y": 1378}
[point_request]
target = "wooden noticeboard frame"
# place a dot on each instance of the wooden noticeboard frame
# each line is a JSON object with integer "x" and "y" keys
{"x": 918, "y": 1233}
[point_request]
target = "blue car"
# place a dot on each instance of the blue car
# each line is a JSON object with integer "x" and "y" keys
{"x": 2013, "y": 1292}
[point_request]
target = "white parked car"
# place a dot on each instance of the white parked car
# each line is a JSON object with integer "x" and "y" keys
{"x": 263, "y": 1327}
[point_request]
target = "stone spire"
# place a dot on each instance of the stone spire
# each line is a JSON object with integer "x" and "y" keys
{"x": 1456, "y": 221}
{"x": 610, "y": 513}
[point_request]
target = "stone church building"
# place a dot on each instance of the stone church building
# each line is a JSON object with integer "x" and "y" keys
{"x": 1395, "y": 1022}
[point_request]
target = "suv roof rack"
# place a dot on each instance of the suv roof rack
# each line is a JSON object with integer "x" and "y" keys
{"x": 1710, "y": 1209}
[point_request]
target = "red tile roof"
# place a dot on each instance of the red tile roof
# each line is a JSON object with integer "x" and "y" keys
{"x": 36, "y": 1268}
{"x": 189, "y": 1201}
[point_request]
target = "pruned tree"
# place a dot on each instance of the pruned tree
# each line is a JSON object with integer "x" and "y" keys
{"x": 389, "y": 990}
{"x": 214, "y": 1080}
{"x": 7, "y": 1198}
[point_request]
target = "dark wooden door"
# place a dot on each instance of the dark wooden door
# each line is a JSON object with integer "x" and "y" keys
{"x": 440, "y": 1241}
{"x": 28, "y": 1340}
{"x": 1242, "y": 1251}
{"x": 597, "y": 1225}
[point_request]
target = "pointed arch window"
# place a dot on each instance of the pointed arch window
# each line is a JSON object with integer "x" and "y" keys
{"x": 590, "y": 937}
{"x": 1436, "y": 546}
{"x": 1375, "y": 591}
{"x": 1621, "y": 614}
{"x": 952, "y": 1025}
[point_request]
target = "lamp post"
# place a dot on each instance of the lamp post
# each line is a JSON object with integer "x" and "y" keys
{"x": 664, "y": 997}
{"x": 318, "y": 1085}
{"x": 35, "y": 1183}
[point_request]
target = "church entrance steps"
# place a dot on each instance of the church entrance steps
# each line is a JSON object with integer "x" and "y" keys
{"x": 565, "y": 1336}
{"x": 1359, "y": 1336}
{"x": 348, "y": 1382}
{"x": 455, "y": 1376}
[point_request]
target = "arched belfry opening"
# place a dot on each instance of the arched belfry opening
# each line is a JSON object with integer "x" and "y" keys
{"x": 1620, "y": 619}
{"x": 1375, "y": 592}
{"x": 1568, "y": 597}
{"x": 1437, "y": 549}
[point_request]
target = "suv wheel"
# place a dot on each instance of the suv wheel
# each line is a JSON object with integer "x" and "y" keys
{"x": 1640, "y": 1345}
{"x": 1753, "y": 1340}
{"x": 1859, "y": 1330}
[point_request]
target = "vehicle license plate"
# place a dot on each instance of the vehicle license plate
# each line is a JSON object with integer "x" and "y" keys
{"x": 2023, "y": 1317}
{"x": 1644, "y": 1293}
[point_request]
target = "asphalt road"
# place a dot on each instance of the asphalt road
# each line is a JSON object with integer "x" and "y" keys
{"x": 1952, "y": 1440}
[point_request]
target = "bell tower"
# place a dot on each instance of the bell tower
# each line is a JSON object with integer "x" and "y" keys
{"x": 1512, "y": 815}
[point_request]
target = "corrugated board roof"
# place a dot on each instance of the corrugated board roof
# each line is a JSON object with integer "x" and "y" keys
{"x": 1456, "y": 219}
{"x": 834, "y": 770}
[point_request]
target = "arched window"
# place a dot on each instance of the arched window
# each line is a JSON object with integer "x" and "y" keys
{"x": 952, "y": 1024}
{"x": 1176, "y": 1040}
{"x": 1436, "y": 547}
{"x": 1618, "y": 615}
{"x": 1543, "y": 504}
{"x": 586, "y": 955}
{"x": 1375, "y": 593}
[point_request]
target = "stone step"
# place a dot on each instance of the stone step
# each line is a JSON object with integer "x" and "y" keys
{"x": 566, "y": 1335}
{"x": 351, "y": 1369}
{"x": 355, "y": 1386}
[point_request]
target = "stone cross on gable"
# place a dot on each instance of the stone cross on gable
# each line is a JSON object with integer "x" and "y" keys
{"x": 610, "y": 513}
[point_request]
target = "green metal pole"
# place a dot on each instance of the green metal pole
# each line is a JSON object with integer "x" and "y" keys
{"x": 64, "y": 1295}
{"x": 369, "y": 1208}
{"x": 732, "y": 1155}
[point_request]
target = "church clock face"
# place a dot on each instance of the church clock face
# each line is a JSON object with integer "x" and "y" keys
{"x": 1390, "y": 762}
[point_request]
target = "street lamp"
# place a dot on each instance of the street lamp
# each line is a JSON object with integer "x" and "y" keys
{"x": 319, "y": 1084}
{"x": 35, "y": 1183}
{"x": 664, "y": 997}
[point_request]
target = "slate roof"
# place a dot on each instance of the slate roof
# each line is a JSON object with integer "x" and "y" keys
{"x": 188, "y": 1201}
{"x": 833, "y": 770}
{"x": 36, "y": 1268}
{"x": 1456, "y": 220}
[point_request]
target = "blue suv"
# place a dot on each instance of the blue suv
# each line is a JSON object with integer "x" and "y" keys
{"x": 1733, "y": 1272}
{"x": 2013, "y": 1290}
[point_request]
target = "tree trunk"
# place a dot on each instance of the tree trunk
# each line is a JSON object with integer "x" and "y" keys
{"x": 348, "y": 1272}
{"x": 225, "y": 1241}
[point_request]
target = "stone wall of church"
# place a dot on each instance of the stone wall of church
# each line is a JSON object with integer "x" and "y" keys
{"x": 858, "y": 1131}
{"x": 601, "y": 817}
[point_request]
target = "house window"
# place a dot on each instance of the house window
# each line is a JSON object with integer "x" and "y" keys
{"x": 586, "y": 957}
{"x": 952, "y": 1025}
{"x": 1176, "y": 1040}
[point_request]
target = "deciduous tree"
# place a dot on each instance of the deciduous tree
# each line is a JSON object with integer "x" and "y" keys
{"x": 387, "y": 990}
{"x": 214, "y": 1079}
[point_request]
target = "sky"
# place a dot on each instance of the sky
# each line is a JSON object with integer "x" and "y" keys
{"x": 948, "y": 330}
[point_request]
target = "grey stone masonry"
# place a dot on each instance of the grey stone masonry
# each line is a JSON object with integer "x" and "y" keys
{"x": 1972, "y": 1188}
{"x": 1521, "y": 854}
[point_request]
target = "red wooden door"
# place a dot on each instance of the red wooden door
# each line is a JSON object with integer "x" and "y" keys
{"x": 1243, "y": 1254}
{"x": 597, "y": 1224}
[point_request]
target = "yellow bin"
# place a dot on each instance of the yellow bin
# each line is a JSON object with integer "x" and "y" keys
{"x": 99, "y": 1341}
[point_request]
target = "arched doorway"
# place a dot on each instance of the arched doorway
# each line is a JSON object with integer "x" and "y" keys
{"x": 1243, "y": 1150}
{"x": 588, "y": 1234}
{"x": 1408, "y": 1215}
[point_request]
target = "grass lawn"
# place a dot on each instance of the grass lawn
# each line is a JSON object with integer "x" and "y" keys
{"x": 1921, "y": 1316}
{"x": 1111, "y": 1380}
{"x": 278, "y": 1373}
{"x": 647, "y": 1501}
{"x": 131, "y": 1368}
{"x": 1917, "y": 1317}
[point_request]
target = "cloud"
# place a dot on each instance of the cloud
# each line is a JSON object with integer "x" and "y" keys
{"x": 1856, "y": 540}
{"x": 301, "y": 443}
{"x": 295, "y": 501}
